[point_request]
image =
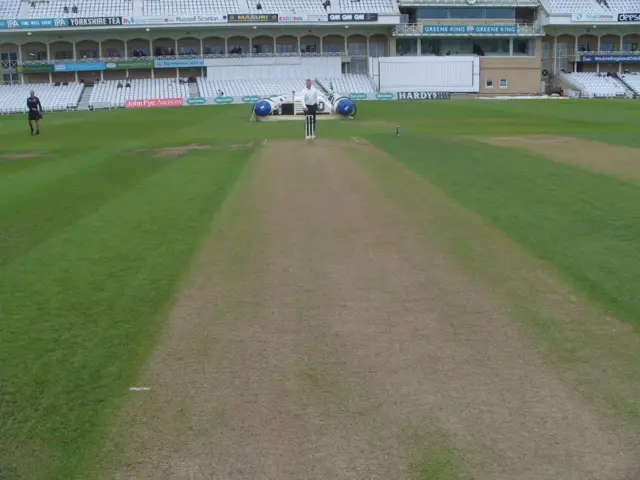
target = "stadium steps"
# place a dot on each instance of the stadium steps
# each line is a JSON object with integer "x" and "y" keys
{"x": 194, "y": 91}
{"x": 137, "y": 8}
{"x": 243, "y": 6}
{"x": 85, "y": 98}
{"x": 322, "y": 87}
{"x": 25, "y": 10}
{"x": 629, "y": 88}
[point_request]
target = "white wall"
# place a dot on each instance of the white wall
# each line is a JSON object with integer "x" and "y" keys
{"x": 434, "y": 74}
{"x": 272, "y": 67}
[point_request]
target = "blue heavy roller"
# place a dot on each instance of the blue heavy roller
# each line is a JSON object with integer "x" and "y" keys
{"x": 346, "y": 107}
{"x": 263, "y": 108}
{"x": 343, "y": 105}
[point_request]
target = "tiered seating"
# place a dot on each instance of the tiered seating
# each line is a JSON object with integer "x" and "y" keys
{"x": 290, "y": 6}
{"x": 622, "y": 6}
{"x": 348, "y": 83}
{"x": 366, "y": 6}
{"x": 108, "y": 93}
{"x": 594, "y": 85}
{"x": 86, "y": 8}
{"x": 633, "y": 80}
{"x": 9, "y": 8}
{"x": 13, "y": 98}
{"x": 238, "y": 88}
{"x": 575, "y": 6}
{"x": 316, "y": 6}
{"x": 184, "y": 7}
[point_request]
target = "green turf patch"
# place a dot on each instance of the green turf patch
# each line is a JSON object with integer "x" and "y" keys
{"x": 437, "y": 460}
{"x": 93, "y": 240}
{"x": 583, "y": 223}
{"x": 81, "y": 306}
{"x": 29, "y": 217}
{"x": 547, "y": 208}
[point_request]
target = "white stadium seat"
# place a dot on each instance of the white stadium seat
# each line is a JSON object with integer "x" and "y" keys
{"x": 633, "y": 80}
{"x": 183, "y": 7}
{"x": 239, "y": 88}
{"x": 316, "y": 6}
{"x": 107, "y": 92}
{"x": 367, "y": 6}
{"x": 348, "y": 83}
{"x": 86, "y": 8}
{"x": 594, "y": 85}
{"x": 13, "y": 98}
{"x": 576, "y": 6}
{"x": 622, "y": 6}
{"x": 9, "y": 8}
{"x": 289, "y": 6}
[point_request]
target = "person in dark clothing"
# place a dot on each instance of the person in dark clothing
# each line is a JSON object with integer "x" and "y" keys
{"x": 35, "y": 112}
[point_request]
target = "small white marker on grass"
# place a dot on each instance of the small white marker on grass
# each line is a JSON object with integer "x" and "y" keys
{"x": 265, "y": 142}
{"x": 355, "y": 139}
{"x": 139, "y": 389}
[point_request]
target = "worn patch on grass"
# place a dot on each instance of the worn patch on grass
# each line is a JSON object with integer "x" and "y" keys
{"x": 344, "y": 330}
{"x": 179, "y": 151}
{"x": 600, "y": 157}
{"x": 20, "y": 156}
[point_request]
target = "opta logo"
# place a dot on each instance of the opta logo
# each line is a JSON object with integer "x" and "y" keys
{"x": 629, "y": 17}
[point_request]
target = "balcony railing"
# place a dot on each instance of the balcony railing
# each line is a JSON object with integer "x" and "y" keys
{"x": 479, "y": 3}
{"x": 59, "y": 61}
{"x": 574, "y": 55}
{"x": 417, "y": 30}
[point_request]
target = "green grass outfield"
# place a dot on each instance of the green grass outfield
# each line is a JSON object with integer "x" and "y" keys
{"x": 95, "y": 238}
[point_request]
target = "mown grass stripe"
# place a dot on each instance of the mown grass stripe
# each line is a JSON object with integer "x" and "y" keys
{"x": 29, "y": 220}
{"x": 584, "y": 223}
{"x": 81, "y": 311}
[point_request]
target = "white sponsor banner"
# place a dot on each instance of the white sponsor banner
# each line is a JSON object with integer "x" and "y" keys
{"x": 302, "y": 18}
{"x": 593, "y": 17}
{"x": 174, "y": 20}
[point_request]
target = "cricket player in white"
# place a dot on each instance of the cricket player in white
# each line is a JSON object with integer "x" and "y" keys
{"x": 310, "y": 102}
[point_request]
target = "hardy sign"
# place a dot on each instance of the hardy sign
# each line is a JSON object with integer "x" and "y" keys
{"x": 424, "y": 95}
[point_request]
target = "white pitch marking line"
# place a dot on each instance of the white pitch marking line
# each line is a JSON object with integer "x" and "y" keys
{"x": 139, "y": 389}
{"x": 355, "y": 139}
{"x": 265, "y": 142}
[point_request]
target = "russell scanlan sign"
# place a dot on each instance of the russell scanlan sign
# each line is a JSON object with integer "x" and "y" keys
{"x": 424, "y": 95}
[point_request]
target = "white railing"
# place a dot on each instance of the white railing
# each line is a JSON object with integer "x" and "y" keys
{"x": 417, "y": 30}
{"x": 617, "y": 53}
{"x": 479, "y": 3}
{"x": 179, "y": 57}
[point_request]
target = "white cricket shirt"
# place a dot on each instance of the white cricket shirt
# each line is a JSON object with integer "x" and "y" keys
{"x": 310, "y": 96}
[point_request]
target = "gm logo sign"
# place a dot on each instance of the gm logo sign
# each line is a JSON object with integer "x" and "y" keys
{"x": 353, "y": 17}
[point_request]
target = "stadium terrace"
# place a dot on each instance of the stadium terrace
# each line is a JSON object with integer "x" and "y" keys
{"x": 81, "y": 52}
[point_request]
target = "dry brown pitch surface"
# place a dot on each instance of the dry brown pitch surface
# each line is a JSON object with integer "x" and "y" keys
{"x": 324, "y": 334}
{"x": 617, "y": 160}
